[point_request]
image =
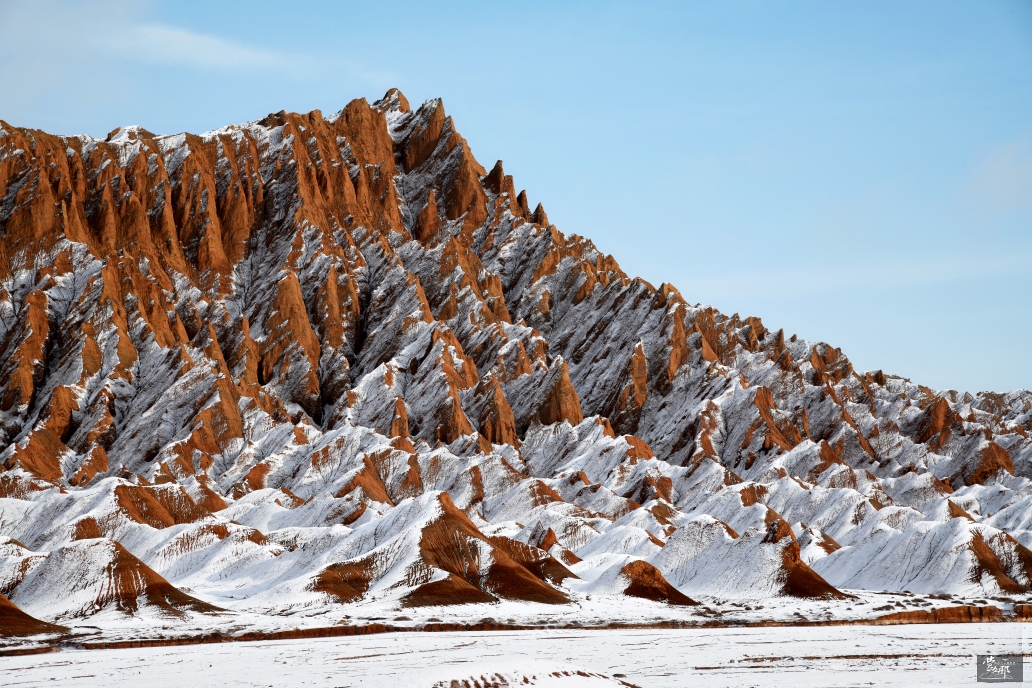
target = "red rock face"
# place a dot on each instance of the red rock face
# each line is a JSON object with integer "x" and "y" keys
{"x": 647, "y": 582}
{"x": 14, "y": 621}
{"x": 347, "y": 317}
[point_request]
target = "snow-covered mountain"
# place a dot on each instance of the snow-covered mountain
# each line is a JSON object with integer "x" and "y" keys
{"x": 316, "y": 361}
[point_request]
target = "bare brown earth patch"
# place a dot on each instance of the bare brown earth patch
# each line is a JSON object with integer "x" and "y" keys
{"x": 648, "y": 583}
{"x": 990, "y": 461}
{"x": 346, "y": 582}
{"x": 160, "y": 506}
{"x": 989, "y": 564}
{"x": 86, "y": 528}
{"x": 130, "y": 579}
{"x": 453, "y": 543}
{"x": 13, "y": 621}
{"x": 539, "y": 562}
{"x": 451, "y": 590}
{"x": 962, "y": 614}
{"x": 800, "y": 579}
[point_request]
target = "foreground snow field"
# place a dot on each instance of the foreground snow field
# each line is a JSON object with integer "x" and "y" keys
{"x": 781, "y": 656}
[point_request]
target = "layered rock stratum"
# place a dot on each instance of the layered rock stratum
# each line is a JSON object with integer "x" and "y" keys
{"x": 317, "y": 361}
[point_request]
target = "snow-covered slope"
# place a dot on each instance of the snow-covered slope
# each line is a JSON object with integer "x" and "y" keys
{"x": 310, "y": 362}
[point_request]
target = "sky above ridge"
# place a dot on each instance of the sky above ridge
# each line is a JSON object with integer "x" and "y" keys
{"x": 859, "y": 173}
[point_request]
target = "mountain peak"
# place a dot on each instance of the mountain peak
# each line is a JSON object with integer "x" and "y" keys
{"x": 347, "y": 352}
{"x": 393, "y": 100}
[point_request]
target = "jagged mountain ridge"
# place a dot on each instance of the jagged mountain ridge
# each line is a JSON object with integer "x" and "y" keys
{"x": 316, "y": 360}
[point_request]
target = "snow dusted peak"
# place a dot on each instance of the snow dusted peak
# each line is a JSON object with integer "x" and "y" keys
{"x": 393, "y": 101}
{"x": 134, "y": 132}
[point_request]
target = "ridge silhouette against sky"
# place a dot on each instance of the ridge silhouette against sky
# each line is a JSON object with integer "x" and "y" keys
{"x": 859, "y": 175}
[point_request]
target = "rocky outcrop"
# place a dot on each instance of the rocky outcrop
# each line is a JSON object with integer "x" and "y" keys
{"x": 98, "y": 574}
{"x": 963, "y": 614}
{"x": 645, "y": 581}
{"x": 14, "y": 621}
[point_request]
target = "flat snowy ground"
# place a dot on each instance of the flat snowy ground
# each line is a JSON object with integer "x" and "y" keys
{"x": 778, "y": 656}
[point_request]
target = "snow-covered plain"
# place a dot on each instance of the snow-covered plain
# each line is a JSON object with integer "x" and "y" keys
{"x": 589, "y": 612}
{"x": 922, "y": 655}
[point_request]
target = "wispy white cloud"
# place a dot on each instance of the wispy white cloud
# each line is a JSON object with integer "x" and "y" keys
{"x": 171, "y": 45}
{"x": 37, "y": 31}
{"x": 71, "y": 66}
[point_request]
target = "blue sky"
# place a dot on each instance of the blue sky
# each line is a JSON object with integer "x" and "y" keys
{"x": 855, "y": 173}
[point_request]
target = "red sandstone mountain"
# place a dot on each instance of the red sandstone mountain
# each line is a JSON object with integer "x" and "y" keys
{"x": 324, "y": 360}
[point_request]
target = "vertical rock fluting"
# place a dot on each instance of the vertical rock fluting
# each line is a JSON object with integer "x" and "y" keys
{"x": 348, "y": 318}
